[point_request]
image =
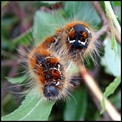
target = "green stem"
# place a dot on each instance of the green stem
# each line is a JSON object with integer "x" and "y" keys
{"x": 110, "y": 12}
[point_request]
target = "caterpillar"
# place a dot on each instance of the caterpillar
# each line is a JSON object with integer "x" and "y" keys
{"x": 51, "y": 73}
{"x": 50, "y": 62}
{"x": 76, "y": 39}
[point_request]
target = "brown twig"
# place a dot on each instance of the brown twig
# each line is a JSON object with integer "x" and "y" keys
{"x": 106, "y": 116}
{"x": 20, "y": 12}
{"x": 104, "y": 19}
{"x": 101, "y": 32}
{"x": 12, "y": 73}
{"x": 91, "y": 84}
{"x": 100, "y": 11}
{"x": 14, "y": 66}
{"x": 10, "y": 62}
{"x": 118, "y": 37}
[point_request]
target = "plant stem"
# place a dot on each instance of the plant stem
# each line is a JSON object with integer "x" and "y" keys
{"x": 110, "y": 12}
{"x": 91, "y": 84}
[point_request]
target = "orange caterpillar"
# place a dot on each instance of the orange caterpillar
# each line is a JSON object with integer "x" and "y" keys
{"x": 50, "y": 63}
{"x": 50, "y": 73}
{"x": 79, "y": 39}
{"x": 75, "y": 38}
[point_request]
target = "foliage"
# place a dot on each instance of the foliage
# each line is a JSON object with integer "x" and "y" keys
{"x": 44, "y": 24}
{"x": 110, "y": 90}
{"x": 30, "y": 109}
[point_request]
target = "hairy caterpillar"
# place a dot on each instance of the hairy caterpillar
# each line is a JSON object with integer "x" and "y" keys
{"x": 76, "y": 39}
{"x": 51, "y": 73}
{"x": 71, "y": 43}
{"x": 67, "y": 43}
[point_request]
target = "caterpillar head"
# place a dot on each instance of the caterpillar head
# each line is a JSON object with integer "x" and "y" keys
{"x": 78, "y": 38}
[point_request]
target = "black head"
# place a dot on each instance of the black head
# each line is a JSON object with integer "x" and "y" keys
{"x": 50, "y": 91}
{"x": 79, "y": 36}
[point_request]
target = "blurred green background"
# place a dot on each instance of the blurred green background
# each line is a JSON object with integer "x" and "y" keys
{"x": 23, "y": 22}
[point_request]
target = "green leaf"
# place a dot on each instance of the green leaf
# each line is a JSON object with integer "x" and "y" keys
{"x": 45, "y": 24}
{"x": 17, "y": 79}
{"x": 112, "y": 86}
{"x": 114, "y": 43}
{"x": 25, "y": 38}
{"x": 111, "y": 60}
{"x": 81, "y": 10}
{"x": 116, "y": 3}
{"x": 76, "y": 105}
{"x": 110, "y": 90}
{"x": 103, "y": 105}
{"x": 34, "y": 107}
